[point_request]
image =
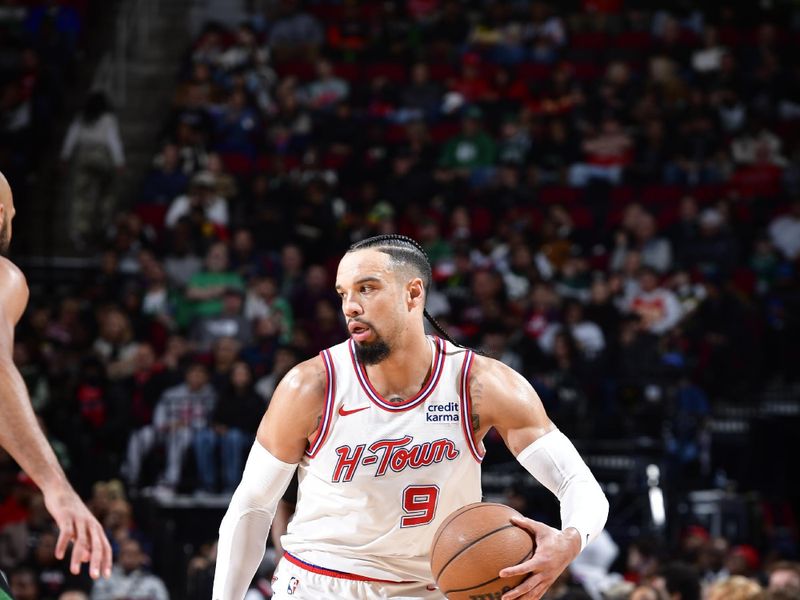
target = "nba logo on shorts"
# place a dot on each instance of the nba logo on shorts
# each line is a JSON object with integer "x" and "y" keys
{"x": 292, "y": 587}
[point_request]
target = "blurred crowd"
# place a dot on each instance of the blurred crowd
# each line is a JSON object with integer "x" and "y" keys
{"x": 609, "y": 195}
{"x": 39, "y": 46}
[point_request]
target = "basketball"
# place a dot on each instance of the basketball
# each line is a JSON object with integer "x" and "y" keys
{"x": 471, "y": 547}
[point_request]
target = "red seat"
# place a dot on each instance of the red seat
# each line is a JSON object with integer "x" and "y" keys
{"x": 395, "y": 72}
{"x": 622, "y": 195}
{"x": 441, "y": 132}
{"x": 633, "y": 40}
{"x": 348, "y": 71}
{"x": 238, "y": 164}
{"x": 152, "y": 215}
{"x": 302, "y": 70}
{"x": 661, "y": 194}
{"x": 591, "y": 40}
{"x": 581, "y": 217}
{"x": 587, "y": 71}
{"x": 533, "y": 72}
{"x": 560, "y": 195}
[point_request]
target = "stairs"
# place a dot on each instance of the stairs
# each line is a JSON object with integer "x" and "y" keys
{"x": 150, "y": 80}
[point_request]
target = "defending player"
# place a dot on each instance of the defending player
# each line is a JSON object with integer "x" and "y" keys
{"x": 20, "y": 433}
{"x": 386, "y": 429}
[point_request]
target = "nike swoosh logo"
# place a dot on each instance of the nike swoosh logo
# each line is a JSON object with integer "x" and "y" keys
{"x": 343, "y": 412}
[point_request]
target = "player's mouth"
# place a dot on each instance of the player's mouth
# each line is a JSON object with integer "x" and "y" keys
{"x": 360, "y": 332}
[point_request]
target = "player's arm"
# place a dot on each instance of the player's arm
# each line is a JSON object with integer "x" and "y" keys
{"x": 21, "y": 435}
{"x": 503, "y": 399}
{"x": 291, "y": 419}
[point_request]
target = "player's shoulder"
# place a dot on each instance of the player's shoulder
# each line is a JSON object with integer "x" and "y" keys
{"x": 11, "y": 275}
{"x": 306, "y": 381}
{"x": 488, "y": 367}
{"x": 13, "y": 288}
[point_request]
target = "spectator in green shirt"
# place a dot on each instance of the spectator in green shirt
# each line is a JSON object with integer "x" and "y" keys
{"x": 471, "y": 153}
{"x": 203, "y": 296}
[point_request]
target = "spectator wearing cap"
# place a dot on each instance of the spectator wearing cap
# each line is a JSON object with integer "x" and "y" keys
{"x": 743, "y": 560}
{"x": 201, "y": 199}
{"x": 716, "y": 249}
{"x": 545, "y": 34}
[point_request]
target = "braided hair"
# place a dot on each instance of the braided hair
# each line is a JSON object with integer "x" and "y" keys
{"x": 404, "y": 250}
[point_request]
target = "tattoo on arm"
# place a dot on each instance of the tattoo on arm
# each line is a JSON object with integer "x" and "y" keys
{"x": 476, "y": 396}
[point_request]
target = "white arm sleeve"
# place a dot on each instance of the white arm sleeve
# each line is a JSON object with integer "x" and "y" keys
{"x": 245, "y": 526}
{"x": 556, "y": 464}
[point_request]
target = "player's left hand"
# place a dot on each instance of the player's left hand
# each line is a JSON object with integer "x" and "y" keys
{"x": 78, "y": 525}
{"x": 554, "y": 551}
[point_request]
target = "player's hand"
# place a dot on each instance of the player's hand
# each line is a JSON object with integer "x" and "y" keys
{"x": 554, "y": 551}
{"x": 79, "y": 526}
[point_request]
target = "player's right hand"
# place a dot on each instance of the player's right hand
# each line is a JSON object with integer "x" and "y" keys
{"x": 78, "y": 525}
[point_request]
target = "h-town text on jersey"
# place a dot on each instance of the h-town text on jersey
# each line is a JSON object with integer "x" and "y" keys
{"x": 395, "y": 454}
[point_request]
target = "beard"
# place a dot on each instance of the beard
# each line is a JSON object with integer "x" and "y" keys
{"x": 5, "y": 239}
{"x": 371, "y": 353}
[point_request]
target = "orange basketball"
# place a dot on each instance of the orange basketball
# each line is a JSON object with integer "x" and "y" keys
{"x": 471, "y": 547}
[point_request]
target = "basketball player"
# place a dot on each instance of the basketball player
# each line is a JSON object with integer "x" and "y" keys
{"x": 20, "y": 433}
{"x": 386, "y": 428}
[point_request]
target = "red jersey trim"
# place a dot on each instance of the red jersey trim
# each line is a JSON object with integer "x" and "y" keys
{"x": 333, "y": 573}
{"x": 327, "y": 415}
{"x": 466, "y": 409}
{"x": 427, "y": 388}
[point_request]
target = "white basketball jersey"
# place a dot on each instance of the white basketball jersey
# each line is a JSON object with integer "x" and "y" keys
{"x": 379, "y": 477}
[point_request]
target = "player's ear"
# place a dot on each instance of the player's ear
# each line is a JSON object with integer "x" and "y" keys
{"x": 416, "y": 292}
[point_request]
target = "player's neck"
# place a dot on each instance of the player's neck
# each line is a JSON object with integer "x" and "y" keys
{"x": 404, "y": 372}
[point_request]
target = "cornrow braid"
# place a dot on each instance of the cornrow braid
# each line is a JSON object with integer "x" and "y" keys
{"x": 406, "y": 250}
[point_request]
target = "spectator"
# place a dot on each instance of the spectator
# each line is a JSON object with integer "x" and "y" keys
{"x": 230, "y": 323}
{"x": 657, "y": 307}
{"x": 471, "y": 151}
{"x": 129, "y": 579}
{"x": 326, "y": 90}
{"x": 294, "y": 34}
{"x": 200, "y": 203}
{"x": 784, "y": 231}
{"x": 232, "y": 428}
{"x": 179, "y": 413}
{"x": 94, "y": 146}
{"x": 784, "y": 575}
{"x": 285, "y": 358}
{"x": 679, "y": 581}
{"x": 166, "y": 179}
{"x": 205, "y": 290}
{"x": 606, "y": 152}
{"x": 23, "y": 584}
{"x": 735, "y": 588}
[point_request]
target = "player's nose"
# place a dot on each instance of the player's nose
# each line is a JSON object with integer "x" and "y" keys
{"x": 350, "y": 307}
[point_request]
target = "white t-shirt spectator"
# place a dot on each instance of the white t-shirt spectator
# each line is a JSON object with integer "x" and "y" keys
{"x": 103, "y": 132}
{"x": 216, "y": 210}
{"x": 660, "y": 309}
{"x": 784, "y": 231}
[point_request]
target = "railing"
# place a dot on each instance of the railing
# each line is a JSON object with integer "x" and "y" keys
{"x": 133, "y": 27}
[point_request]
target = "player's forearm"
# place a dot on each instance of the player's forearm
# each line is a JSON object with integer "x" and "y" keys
{"x": 21, "y": 435}
{"x": 245, "y": 527}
